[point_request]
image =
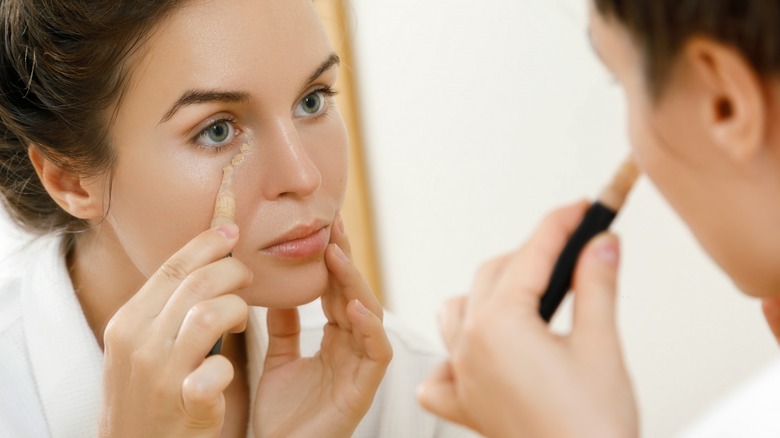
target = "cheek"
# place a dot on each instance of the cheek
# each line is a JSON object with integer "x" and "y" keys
{"x": 672, "y": 151}
{"x": 329, "y": 151}
{"x": 658, "y": 142}
{"x": 643, "y": 147}
{"x": 159, "y": 204}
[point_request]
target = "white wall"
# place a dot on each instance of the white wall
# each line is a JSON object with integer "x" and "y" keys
{"x": 482, "y": 116}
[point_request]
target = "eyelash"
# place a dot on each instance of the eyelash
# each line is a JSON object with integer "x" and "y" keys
{"x": 328, "y": 91}
{"x": 216, "y": 148}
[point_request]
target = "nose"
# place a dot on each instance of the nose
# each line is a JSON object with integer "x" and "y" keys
{"x": 289, "y": 169}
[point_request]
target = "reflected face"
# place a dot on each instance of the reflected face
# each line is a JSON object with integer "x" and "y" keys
{"x": 216, "y": 75}
{"x": 730, "y": 207}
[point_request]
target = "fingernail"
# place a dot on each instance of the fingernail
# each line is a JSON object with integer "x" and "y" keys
{"x": 608, "y": 250}
{"x": 360, "y": 307}
{"x": 340, "y": 253}
{"x": 230, "y": 231}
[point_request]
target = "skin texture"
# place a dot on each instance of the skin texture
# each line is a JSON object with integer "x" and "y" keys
{"x": 710, "y": 146}
{"x": 157, "y": 289}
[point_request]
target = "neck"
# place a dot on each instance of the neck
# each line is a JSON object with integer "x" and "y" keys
{"x": 103, "y": 277}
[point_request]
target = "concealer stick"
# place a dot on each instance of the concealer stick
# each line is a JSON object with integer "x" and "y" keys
{"x": 225, "y": 207}
{"x": 597, "y": 220}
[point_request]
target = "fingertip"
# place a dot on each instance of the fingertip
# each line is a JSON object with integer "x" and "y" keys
{"x": 335, "y": 258}
{"x": 241, "y": 327}
{"x": 229, "y": 230}
{"x": 595, "y": 286}
{"x": 202, "y": 390}
{"x": 574, "y": 210}
{"x": 360, "y": 316}
{"x": 605, "y": 249}
{"x": 421, "y": 394}
{"x": 437, "y": 395}
{"x": 358, "y": 307}
{"x": 340, "y": 224}
{"x": 339, "y": 253}
{"x": 369, "y": 330}
{"x": 581, "y": 204}
{"x": 338, "y": 235}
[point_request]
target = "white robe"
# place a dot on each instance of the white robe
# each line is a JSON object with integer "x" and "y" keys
{"x": 51, "y": 366}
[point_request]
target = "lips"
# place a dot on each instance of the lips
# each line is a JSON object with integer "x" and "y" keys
{"x": 300, "y": 243}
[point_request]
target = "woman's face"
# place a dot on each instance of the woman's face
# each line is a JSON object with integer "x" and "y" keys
{"x": 213, "y": 76}
{"x": 731, "y": 207}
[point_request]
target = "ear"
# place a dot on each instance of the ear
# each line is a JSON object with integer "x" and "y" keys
{"x": 735, "y": 108}
{"x": 79, "y": 197}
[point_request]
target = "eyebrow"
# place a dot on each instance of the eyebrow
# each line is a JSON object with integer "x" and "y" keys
{"x": 332, "y": 60}
{"x": 194, "y": 97}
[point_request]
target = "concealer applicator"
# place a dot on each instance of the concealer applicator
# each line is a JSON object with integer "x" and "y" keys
{"x": 597, "y": 220}
{"x": 225, "y": 208}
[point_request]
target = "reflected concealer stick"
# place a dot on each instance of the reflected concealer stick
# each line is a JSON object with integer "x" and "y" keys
{"x": 225, "y": 207}
{"x": 597, "y": 220}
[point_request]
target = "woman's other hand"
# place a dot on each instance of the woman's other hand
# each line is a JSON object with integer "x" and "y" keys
{"x": 508, "y": 375}
{"x": 158, "y": 380}
{"x": 326, "y": 395}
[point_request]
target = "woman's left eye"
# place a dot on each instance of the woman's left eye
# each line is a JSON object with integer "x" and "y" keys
{"x": 313, "y": 104}
{"x": 219, "y": 133}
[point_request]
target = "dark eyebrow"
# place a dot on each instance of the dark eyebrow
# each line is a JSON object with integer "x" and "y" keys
{"x": 333, "y": 59}
{"x": 192, "y": 97}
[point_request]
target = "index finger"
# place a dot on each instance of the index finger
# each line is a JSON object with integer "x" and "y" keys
{"x": 527, "y": 272}
{"x": 207, "y": 247}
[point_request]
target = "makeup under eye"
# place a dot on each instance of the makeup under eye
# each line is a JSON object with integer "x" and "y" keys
{"x": 315, "y": 103}
{"x": 218, "y": 134}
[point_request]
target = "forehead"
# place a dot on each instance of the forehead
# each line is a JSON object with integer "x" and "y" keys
{"x": 231, "y": 44}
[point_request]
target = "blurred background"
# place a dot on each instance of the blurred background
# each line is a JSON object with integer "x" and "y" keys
{"x": 480, "y": 117}
{"x": 477, "y": 118}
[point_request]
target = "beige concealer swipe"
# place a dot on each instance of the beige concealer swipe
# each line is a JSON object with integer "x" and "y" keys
{"x": 225, "y": 206}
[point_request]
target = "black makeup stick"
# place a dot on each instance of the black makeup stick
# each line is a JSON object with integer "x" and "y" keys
{"x": 597, "y": 220}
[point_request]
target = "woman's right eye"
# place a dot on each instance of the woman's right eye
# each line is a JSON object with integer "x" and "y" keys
{"x": 218, "y": 134}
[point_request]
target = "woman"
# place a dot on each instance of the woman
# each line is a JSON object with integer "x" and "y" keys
{"x": 700, "y": 80}
{"x": 117, "y": 121}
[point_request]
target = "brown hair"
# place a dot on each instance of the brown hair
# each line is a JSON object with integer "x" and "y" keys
{"x": 62, "y": 73}
{"x": 661, "y": 28}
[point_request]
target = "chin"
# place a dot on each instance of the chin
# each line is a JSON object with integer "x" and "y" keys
{"x": 287, "y": 286}
{"x": 756, "y": 288}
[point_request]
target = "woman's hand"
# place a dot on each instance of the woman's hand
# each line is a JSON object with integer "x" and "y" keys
{"x": 158, "y": 381}
{"x": 326, "y": 395}
{"x": 508, "y": 375}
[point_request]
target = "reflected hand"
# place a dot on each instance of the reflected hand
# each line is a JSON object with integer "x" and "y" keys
{"x": 508, "y": 375}
{"x": 328, "y": 394}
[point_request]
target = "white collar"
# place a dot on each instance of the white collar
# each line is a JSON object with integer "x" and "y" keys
{"x": 256, "y": 339}
{"x": 66, "y": 360}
